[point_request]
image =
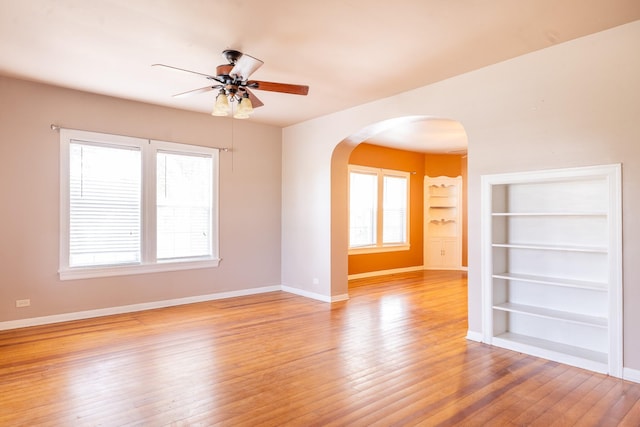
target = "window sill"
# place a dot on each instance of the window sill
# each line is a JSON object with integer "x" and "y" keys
{"x": 120, "y": 270}
{"x": 378, "y": 249}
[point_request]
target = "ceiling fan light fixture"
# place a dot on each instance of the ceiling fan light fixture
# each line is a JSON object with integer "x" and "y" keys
{"x": 219, "y": 113}
{"x": 245, "y": 108}
{"x": 221, "y": 107}
{"x": 240, "y": 116}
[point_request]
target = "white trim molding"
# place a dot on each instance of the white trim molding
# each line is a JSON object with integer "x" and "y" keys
{"x": 79, "y": 315}
{"x": 314, "y": 295}
{"x": 385, "y": 272}
{"x": 88, "y": 314}
{"x": 338, "y": 298}
{"x": 474, "y": 336}
{"x": 631, "y": 375}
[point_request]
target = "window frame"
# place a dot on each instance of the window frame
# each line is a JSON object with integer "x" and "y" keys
{"x": 148, "y": 253}
{"x": 380, "y": 246}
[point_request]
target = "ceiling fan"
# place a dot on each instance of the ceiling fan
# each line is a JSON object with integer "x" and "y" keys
{"x": 233, "y": 84}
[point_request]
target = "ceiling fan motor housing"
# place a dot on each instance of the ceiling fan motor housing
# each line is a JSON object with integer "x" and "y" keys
{"x": 232, "y": 55}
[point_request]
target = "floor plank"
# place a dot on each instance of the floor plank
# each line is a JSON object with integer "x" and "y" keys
{"x": 395, "y": 353}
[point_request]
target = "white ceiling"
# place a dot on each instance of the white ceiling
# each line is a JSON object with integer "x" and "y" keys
{"x": 349, "y": 52}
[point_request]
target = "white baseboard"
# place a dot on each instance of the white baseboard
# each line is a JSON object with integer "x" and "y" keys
{"x": 88, "y": 314}
{"x": 65, "y": 317}
{"x": 338, "y": 298}
{"x": 316, "y": 296}
{"x": 385, "y": 272}
{"x": 631, "y": 375}
{"x": 627, "y": 373}
{"x": 474, "y": 336}
{"x": 448, "y": 268}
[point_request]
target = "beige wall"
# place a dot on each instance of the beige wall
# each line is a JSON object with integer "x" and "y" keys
{"x": 573, "y": 104}
{"x": 250, "y": 200}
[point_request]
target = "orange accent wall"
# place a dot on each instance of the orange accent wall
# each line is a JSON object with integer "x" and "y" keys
{"x": 389, "y": 158}
{"x": 442, "y": 165}
{"x": 423, "y": 165}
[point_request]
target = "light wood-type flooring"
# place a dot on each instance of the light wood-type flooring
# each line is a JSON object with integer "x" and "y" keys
{"x": 395, "y": 354}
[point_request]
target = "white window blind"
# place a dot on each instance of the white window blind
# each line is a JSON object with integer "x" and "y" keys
{"x": 183, "y": 205}
{"x": 394, "y": 216}
{"x": 104, "y": 205}
{"x": 363, "y": 195}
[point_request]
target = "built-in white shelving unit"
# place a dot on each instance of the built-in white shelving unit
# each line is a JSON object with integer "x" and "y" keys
{"x": 442, "y": 222}
{"x": 551, "y": 265}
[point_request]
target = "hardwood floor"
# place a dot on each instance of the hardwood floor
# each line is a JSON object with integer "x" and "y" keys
{"x": 394, "y": 354}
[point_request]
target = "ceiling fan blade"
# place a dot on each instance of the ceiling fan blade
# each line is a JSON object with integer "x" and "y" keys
{"x": 279, "y": 87}
{"x": 245, "y": 66}
{"x": 196, "y": 91}
{"x": 255, "y": 102}
{"x": 182, "y": 69}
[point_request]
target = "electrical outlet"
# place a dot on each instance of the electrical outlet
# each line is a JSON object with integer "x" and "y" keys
{"x": 23, "y": 302}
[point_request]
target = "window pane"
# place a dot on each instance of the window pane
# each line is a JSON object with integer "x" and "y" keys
{"x": 104, "y": 205}
{"x": 183, "y": 205}
{"x": 394, "y": 217}
{"x": 363, "y": 194}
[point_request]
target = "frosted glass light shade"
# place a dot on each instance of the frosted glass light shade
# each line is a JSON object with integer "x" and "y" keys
{"x": 221, "y": 107}
{"x": 245, "y": 108}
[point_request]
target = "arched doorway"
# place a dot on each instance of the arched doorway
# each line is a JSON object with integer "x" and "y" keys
{"x": 403, "y": 133}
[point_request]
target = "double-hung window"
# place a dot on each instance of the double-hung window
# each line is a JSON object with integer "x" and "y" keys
{"x": 378, "y": 209}
{"x": 130, "y": 205}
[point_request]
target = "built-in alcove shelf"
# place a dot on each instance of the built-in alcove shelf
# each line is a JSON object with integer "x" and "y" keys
{"x": 443, "y": 185}
{"x": 566, "y": 248}
{"x": 442, "y": 222}
{"x": 566, "y": 316}
{"x": 551, "y": 265}
{"x": 553, "y": 281}
{"x": 551, "y": 214}
{"x": 573, "y": 355}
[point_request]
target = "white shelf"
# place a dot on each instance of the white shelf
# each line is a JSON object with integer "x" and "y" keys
{"x": 441, "y": 221}
{"x": 553, "y": 314}
{"x": 553, "y": 281}
{"x": 561, "y": 351}
{"x": 551, "y": 214}
{"x": 566, "y": 248}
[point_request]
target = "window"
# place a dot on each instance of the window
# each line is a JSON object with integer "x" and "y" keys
{"x": 183, "y": 205}
{"x": 130, "y": 205}
{"x": 104, "y": 204}
{"x": 378, "y": 209}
